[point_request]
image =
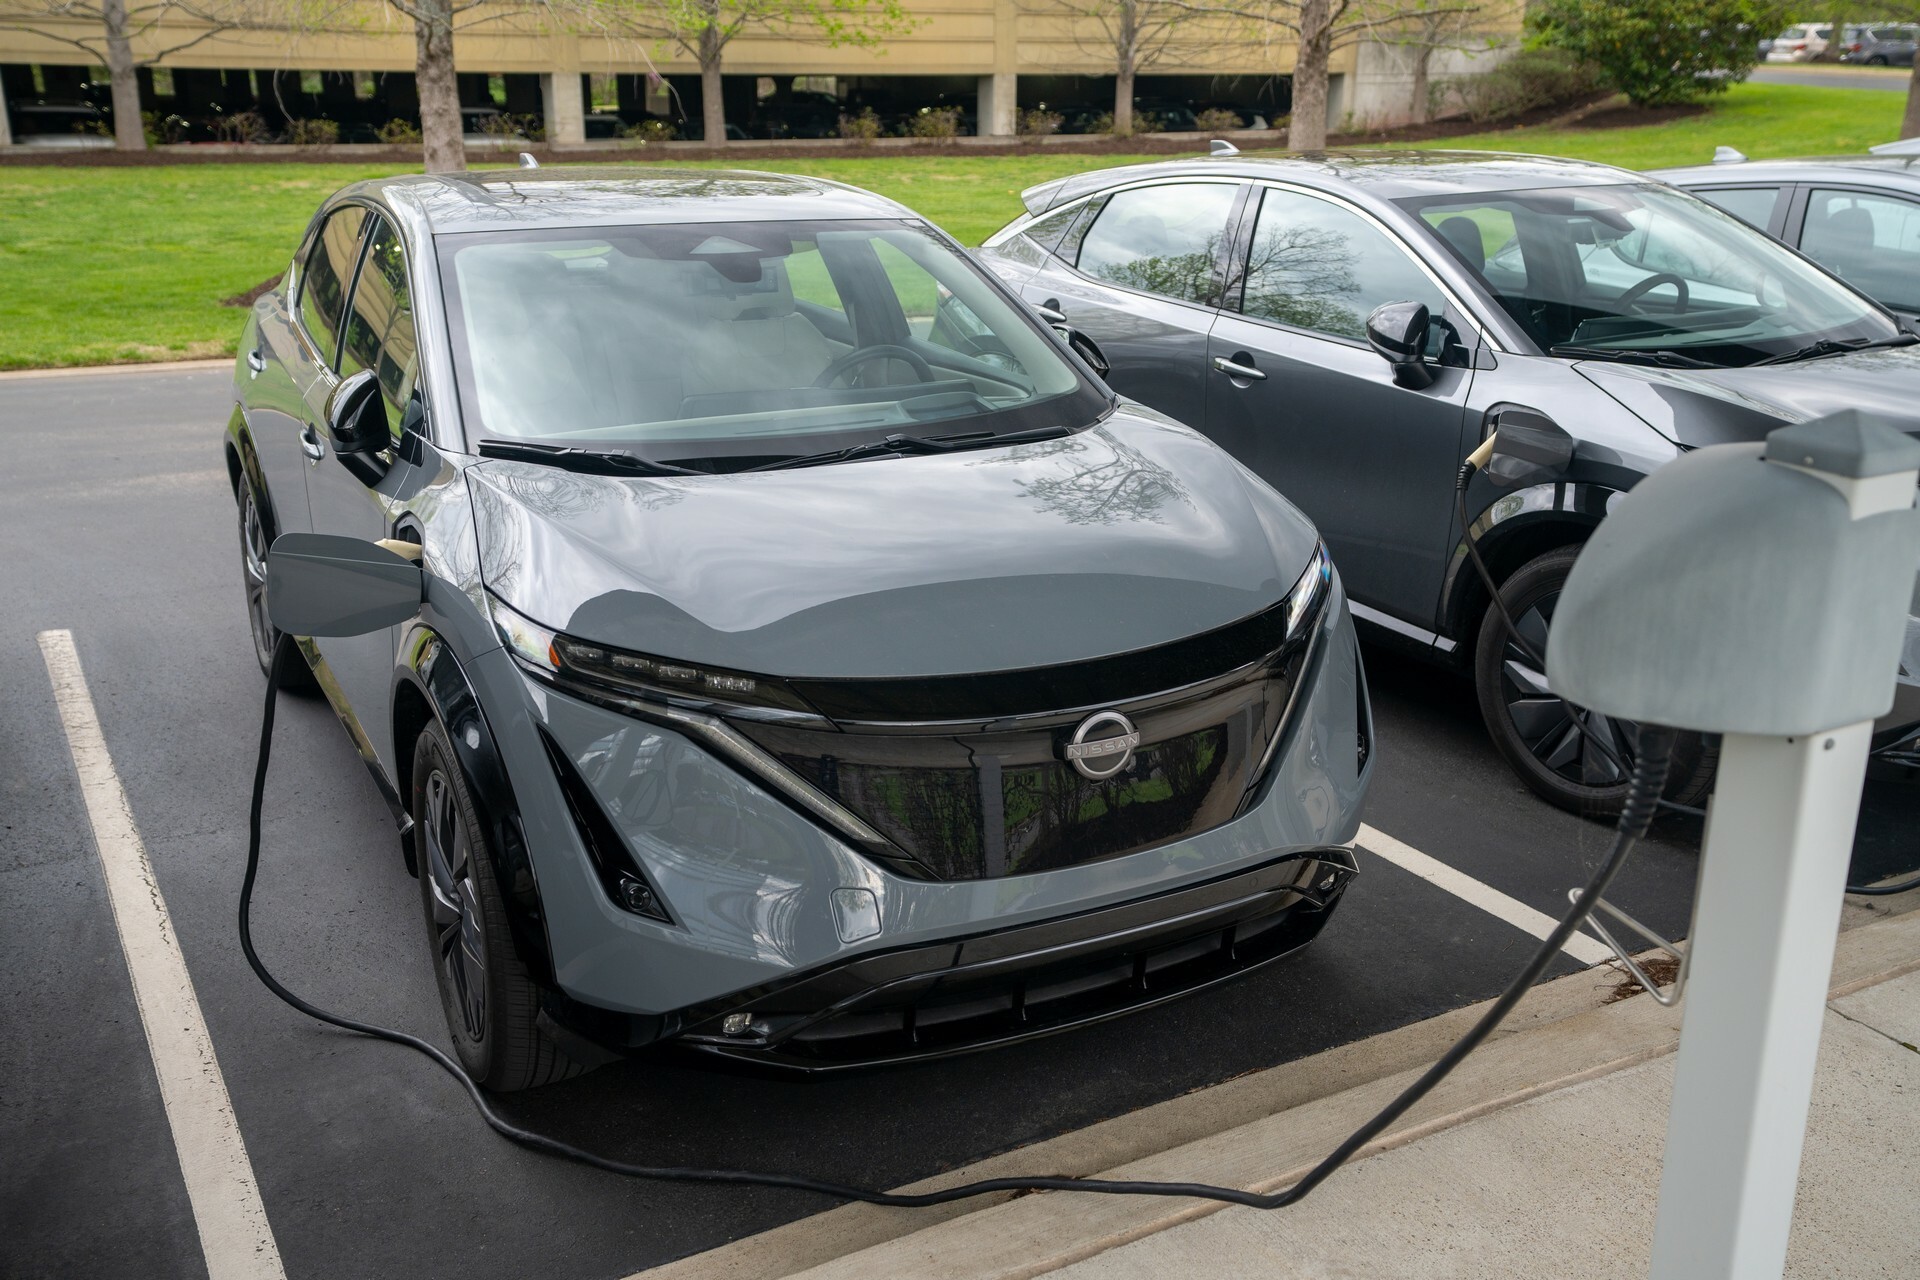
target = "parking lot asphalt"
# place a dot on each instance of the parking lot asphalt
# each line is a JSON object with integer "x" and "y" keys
{"x": 116, "y": 523}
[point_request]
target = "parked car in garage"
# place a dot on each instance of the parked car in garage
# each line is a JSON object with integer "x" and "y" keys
{"x": 1243, "y": 295}
{"x": 1801, "y": 42}
{"x": 819, "y": 665}
{"x": 1857, "y": 216}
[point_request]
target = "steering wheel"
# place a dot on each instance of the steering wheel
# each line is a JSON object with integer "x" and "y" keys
{"x": 863, "y": 355}
{"x": 1651, "y": 283}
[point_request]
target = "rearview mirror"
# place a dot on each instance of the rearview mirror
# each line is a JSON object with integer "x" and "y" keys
{"x": 322, "y": 585}
{"x": 356, "y": 416}
{"x": 1398, "y": 332}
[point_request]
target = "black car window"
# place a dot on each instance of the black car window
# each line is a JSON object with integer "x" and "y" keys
{"x": 1319, "y": 266}
{"x": 324, "y": 277}
{"x": 1870, "y": 241}
{"x": 1163, "y": 239}
{"x": 380, "y": 329}
{"x": 1752, "y": 205}
{"x": 1049, "y": 231}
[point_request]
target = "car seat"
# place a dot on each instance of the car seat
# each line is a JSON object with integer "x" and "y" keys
{"x": 749, "y": 336}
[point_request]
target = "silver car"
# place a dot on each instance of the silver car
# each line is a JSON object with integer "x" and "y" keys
{"x": 818, "y": 665}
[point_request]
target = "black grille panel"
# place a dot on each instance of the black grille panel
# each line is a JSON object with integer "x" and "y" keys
{"x": 977, "y": 801}
{"x": 969, "y": 822}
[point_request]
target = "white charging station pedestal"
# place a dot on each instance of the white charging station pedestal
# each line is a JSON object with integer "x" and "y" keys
{"x": 1760, "y": 593}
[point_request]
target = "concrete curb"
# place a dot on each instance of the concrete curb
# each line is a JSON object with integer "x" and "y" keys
{"x": 94, "y": 370}
{"x": 1260, "y": 1131}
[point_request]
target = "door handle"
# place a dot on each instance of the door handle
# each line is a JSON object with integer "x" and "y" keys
{"x": 256, "y": 362}
{"x": 1050, "y": 311}
{"x": 1233, "y": 369}
{"x": 312, "y": 445}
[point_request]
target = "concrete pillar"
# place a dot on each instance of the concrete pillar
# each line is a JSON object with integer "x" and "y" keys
{"x": 560, "y": 95}
{"x": 999, "y": 104}
{"x": 6, "y": 127}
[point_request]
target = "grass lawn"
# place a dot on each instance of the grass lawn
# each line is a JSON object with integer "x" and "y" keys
{"x": 109, "y": 265}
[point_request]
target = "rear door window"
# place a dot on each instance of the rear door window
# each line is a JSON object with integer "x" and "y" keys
{"x": 325, "y": 276}
{"x": 1870, "y": 241}
{"x": 1164, "y": 239}
{"x": 1752, "y": 205}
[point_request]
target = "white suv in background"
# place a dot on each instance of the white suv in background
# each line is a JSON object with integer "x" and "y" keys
{"x": 1801, "y": 42}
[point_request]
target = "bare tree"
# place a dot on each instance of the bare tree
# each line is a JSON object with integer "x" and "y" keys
{"x": 159, "y": 29}
{"x": 704, "y": 28}
{"x": 1320, "y": 28}
{"x": 1128, "y": 35}
{"x": 1432, "y": 25}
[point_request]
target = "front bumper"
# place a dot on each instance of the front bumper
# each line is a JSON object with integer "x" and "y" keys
{"x": 953, "y": 997}
{"x": 750, "y": 882}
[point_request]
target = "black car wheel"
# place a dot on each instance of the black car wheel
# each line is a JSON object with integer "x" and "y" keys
{"x": 1537, "y": 731}
{"x": 254, "y": 543}
{"x": 489, "y": 1001}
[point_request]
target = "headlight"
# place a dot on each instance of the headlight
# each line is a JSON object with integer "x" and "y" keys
{"x": 1303, "y": 602}
{"x": 563, "y": 657}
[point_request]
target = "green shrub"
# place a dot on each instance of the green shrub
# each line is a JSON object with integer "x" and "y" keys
{"x": 935, "y": 123}
{"x": 399, "y": 133}
{"x": 1217, "y": 120}
{"x": 650, "y": 130}
{"x": 163, "y": 130}
{"x": 1660, "y": 51}
{"x": 313, "y": 133}
{"x": 1038, "y": 124}
{"x": 1527, "y": 81}
{"x": 864, "y": 127}
{"x": 240, "y": 126}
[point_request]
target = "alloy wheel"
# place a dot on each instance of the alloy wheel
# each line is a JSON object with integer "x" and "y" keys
{"x": 459, "y": 929}
{"x": 1549, "y": 725}
{"x": 253, "y": 568}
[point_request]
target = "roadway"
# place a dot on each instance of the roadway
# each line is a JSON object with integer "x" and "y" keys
{"x": 118, "y": 526}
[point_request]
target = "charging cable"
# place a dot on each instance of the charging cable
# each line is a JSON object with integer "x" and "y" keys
{"x": 1475, "y": 462}
{"x": 1648, "y": 778}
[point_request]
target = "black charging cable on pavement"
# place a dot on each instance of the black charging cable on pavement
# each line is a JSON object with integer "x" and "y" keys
{"x": 1649, "y": 776}
{"x": 1475, "y": 461}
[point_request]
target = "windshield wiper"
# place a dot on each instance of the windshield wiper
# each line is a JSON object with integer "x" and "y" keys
{"x": 1630, "y": 355}
{"x": 1835, "y": 347}
{"x": 915, "y": 444}
{"x": 573, "y": 457}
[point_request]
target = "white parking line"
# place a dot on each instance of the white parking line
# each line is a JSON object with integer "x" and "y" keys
{"x": 234, "y": 1233}
{"x": 1486, "y": 897}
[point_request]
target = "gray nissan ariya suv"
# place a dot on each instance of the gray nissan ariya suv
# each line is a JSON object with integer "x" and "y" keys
{"x": 818, "y": 665}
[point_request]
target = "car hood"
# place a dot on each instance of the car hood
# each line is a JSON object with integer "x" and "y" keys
{"x": 1697, "y": 407}
{"x": 1129, "y": 534}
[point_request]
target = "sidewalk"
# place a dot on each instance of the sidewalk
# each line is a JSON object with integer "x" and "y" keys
{"x": 1538, "y": 1160}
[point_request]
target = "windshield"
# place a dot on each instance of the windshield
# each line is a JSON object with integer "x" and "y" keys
{"x": 739, "y": 343}
{"x": 1645, "y": 269}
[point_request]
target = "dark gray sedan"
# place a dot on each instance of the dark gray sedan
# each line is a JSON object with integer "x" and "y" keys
{"x": 818, "y": 665}
{"x": 1857, "y": 216}
{"x": 1244, "y": 295}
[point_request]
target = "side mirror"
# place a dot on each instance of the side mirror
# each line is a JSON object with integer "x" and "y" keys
{"x": 1528, "y": 447}
{"x": 319, "y": 584}
{"x": 1086, "y": 348}
{"x": 1398, "y": 332}
{"x": 356, "y": 416}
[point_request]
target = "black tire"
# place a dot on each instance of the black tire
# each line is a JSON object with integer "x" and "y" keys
{"x": 489, "y": 1001}
{"x": 1535, "y": 730}
{"x": 253, "y": 578}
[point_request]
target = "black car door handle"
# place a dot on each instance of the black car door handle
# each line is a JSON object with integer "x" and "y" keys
{"x": 1050, "y": 311}
{"x": 256, "y": 362}
{"x": 312, "y": 445}
{"x": 1234, "y": 369}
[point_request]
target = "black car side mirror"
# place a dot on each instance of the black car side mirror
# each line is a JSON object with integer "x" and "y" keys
{"x": 1086, "y": 348}
{"x": 1398, "y": 331}
{"x": 357, "y": 417}
{"x": 320, "y": 584}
